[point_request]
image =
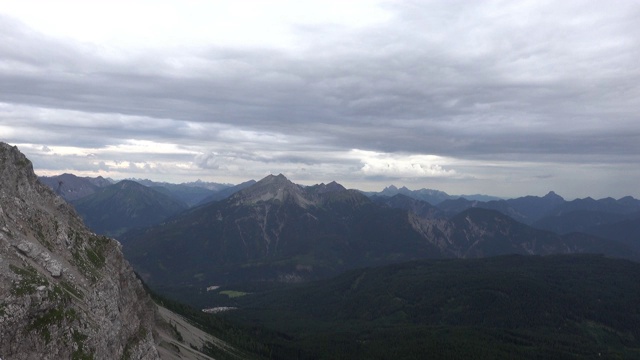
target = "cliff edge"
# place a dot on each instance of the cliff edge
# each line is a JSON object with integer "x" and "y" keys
{"x": 65, "y": 292}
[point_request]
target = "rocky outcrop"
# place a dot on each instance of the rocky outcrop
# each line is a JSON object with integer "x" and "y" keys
{"x": 65, "y": 292}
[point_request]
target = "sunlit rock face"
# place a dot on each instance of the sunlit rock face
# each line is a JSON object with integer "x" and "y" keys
{"x": 64, "y": 291}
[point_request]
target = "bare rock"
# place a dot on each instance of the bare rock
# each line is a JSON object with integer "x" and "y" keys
{"x": 97, "y": 310}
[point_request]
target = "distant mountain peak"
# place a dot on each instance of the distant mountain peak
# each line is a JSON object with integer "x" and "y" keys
{"x": 274, "y": 178}
{"x": 272, "y": 187}
{"x": 390, "y": 188}
{"x": 330, "y": 187}
{"x": 274, "y": 181}
{"x": 125, "y": 184}
{"x": 552, "y": 194}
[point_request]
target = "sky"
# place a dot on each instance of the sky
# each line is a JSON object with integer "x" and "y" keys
{"x": 506, "y": 98}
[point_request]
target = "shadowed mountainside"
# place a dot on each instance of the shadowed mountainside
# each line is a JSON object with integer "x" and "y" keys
{"x": 117, "y": 208}
{"x": 72, "y": 187}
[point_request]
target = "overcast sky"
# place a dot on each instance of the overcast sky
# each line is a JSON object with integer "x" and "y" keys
{"x": 506, "y": 98}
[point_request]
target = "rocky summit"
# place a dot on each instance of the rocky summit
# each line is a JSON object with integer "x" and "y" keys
{"x": 65, "y": 292}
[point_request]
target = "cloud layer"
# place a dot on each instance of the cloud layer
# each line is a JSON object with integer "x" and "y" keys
{"x": 506, "y": 98}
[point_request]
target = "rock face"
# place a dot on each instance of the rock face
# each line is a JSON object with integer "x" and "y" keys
{"x": 65, "y": 293}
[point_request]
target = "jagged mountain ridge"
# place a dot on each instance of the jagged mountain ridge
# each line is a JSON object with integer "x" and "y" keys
{"x": 127, "y": 204}
{"x": 276, "y": 230}
{"x": 431, "y": 196}
{"x": 64, "y": 291}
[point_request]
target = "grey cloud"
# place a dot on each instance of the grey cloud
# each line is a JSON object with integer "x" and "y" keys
{"x": 526, "y": 81}
{"x": 216, "y": 160}
{"x": 208, "y": 161}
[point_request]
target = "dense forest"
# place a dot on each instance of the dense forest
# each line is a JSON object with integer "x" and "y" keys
{"x": 529, "y": 307}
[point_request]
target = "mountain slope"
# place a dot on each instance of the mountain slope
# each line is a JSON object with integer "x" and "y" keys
{"x": 64, "y": 292}
{"x": 225, "y": 193}
{"x": 527, "y": 209}
{"x": 585, "y": 214}
{"x": 119, "y": 207}
{"x": 72, "y": 187}
{"x": 421, "y": 208}
{"x": 480, "y": 232}
{"x": 579, "y": 221}
{"x": 625, "y": 231}
{"x": 533, "y": 208}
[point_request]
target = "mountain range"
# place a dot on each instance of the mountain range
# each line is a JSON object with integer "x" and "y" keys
{"x": 72, "y": 187}
{"x": 191, "y": 193}
{"x": 112, "y": 208}
{"x": 550, "y": 212}
{"x": 278, "y": 231}
{"x": 429, "y": 195}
